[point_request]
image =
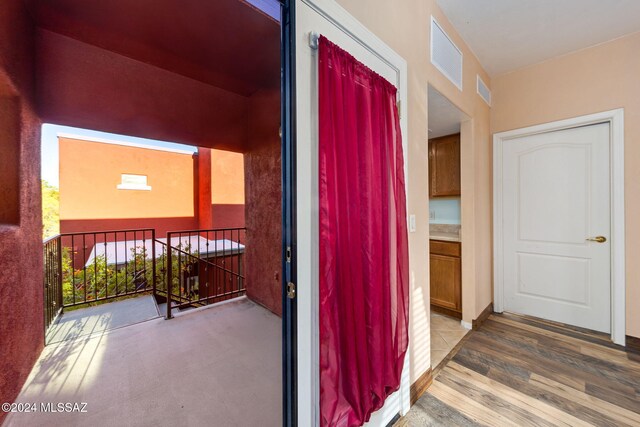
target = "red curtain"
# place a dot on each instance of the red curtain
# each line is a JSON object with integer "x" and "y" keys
{"x": 364, "y": 268}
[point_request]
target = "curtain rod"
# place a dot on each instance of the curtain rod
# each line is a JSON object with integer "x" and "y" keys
{"x": 313, "y": 40}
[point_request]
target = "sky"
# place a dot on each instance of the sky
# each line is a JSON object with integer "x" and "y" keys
{"x": 270, "y": 7}
{"x": 49, "y": 154}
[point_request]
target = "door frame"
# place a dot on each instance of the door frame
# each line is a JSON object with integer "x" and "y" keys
{"x": 308, "y": 380}
{"x": 615, "y": 118}
{"x": 289, "y": 234}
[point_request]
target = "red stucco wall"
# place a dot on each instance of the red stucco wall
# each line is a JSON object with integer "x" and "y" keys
{"x": 57, "y": 79}
{"x": 112, "y": 93}
{"x": 263, "y": 208}
{"x": 227, "y": 189}
{"x": 161, "y": 225}
{"x": 227, "y": 216}
{"x": 10, "y": 158}
{"x": 21, "y": 291}
{"x": 203, "y": 188}
{"x": 180, "y": 198}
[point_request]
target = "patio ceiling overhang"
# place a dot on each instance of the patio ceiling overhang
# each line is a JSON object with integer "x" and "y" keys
{"x": 177, "y": 71}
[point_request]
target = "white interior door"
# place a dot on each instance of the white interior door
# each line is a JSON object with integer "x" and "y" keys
{"x": 556, "y": 197}
{"x": 326, "y": 17}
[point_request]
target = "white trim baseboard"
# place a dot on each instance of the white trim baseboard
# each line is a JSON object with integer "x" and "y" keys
{"x": 618, "y": 279}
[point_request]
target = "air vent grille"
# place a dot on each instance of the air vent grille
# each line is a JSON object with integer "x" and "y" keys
{"x": 445, "y": 55}
{"x": 484, "y": 91}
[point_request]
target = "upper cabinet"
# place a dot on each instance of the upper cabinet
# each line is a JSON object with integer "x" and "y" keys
{"x": 444, "y": 166}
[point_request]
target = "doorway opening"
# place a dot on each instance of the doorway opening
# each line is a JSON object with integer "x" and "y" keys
{"x": 445, "y": 225}
{"x": 585, "y": 229}
{"x": 202, "y": 75}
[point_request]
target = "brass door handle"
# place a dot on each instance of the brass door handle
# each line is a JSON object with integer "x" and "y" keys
{"x": 599, "y": 239}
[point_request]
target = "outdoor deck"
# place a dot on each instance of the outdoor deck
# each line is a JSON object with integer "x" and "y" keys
{"x": 96, "y": 320}
{"x": 219, "y": 365}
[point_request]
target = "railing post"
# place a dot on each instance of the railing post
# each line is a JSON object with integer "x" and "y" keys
{"x": 59, "y": 274}
{"x": 153, "y": 260}
{"x": 47, "y": 293}
{"x": 169, "y": 276}
{"x": 52, "y": 280}
{"x": 240, "y": 270}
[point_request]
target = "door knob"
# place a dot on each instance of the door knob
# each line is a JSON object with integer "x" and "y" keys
{"x": 599, "y": 239}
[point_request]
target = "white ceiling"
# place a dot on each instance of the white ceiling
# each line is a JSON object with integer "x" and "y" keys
{"x": 506, "y": 35}
{"x": 444, "y": 117}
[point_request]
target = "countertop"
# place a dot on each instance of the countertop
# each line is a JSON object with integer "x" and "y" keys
{"x": 445, "y": 232}
{"x": 447, "y": 237}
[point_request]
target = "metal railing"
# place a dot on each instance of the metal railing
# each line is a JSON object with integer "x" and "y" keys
{"x": 204, "y": 267}
{"x": 160, "y": 283}
{"x": 52, "y": 256}
{"x": 190, "y": 268}
{"x": 103, "y": 265}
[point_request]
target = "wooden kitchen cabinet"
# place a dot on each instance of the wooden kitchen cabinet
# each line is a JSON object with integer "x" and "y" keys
{"x": 446, "y": 278}
{"x": 444, "y": 166}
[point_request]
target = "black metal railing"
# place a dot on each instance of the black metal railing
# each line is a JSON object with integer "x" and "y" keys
{"x": 52, "y": 256}
{"x": 204, "y": 267}
{"x": 160, "y": 282}
{"x": 188, "y": 268}
{"x": 103, "y": 265}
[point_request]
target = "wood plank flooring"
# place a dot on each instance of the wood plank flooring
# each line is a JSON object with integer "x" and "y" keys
{"x": 522, "y": 371}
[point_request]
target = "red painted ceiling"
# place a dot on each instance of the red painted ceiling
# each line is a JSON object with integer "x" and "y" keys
{"x": 224, "y": 43}
{"x": 181, "y": 71}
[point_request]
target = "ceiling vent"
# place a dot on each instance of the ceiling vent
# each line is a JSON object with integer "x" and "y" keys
{"x": 445, "y": 55}
{"x": 483, "y": 91}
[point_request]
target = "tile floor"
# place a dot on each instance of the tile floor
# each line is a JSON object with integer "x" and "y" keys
{"x": 446, "y": 332}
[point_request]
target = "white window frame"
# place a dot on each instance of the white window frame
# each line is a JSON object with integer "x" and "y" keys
{"x": 133, "y": 186}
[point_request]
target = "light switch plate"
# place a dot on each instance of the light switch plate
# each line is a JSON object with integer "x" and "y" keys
{"x": 412, "y": 223}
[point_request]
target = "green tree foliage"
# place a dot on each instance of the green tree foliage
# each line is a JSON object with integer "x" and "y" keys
{"x": 50, "y": 210}
{"x": 98, "y": 280}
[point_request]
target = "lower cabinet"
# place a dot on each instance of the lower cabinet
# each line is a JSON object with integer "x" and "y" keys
{"x": 446, "y": 278}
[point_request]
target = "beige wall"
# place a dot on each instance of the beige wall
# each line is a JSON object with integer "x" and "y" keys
{"x": 227, "y": 177}
{"x": 91, "y": 171}
{"x": 405, "y": 27}
{"x": 600, "y": 78}
{"x": 476, "y": 156}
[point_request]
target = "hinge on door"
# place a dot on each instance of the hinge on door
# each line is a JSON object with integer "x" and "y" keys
{"x": 288, "y": 254}
{"x": 291, "y": 290}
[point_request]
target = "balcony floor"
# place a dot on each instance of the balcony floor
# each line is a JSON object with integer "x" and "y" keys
{"x": 102, "y": 318}
{"x": 220, "y": 365}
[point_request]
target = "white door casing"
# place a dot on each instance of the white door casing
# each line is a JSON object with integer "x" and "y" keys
{"x": 555, "y": 196}
{"x": 326, "y": 17}
{"x": 555, "y": 186}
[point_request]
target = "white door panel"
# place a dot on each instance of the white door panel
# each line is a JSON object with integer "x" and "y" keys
{"x": 555, "y": 197}
{"x": 328, "y": 19}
